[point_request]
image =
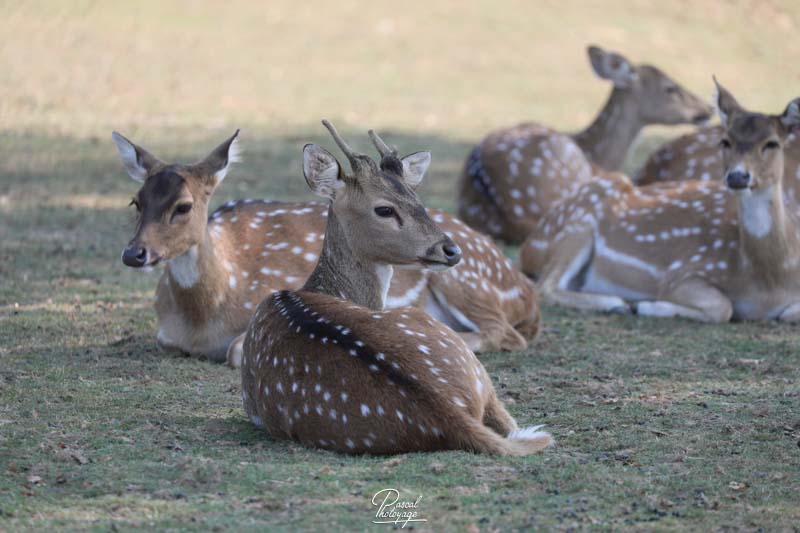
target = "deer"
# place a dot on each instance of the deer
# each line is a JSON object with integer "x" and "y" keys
{"x": 514, "y": 174}
{"x": 709, "y": 251}
{"x": 329, "y": 367}
{"x": 217, "y": 268}
{"x": 696, "y": 156}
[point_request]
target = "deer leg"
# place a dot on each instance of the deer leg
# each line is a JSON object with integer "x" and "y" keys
{"x": 490, "y": 337}
{"x": 512, "y": 340}
{"x": 693, "y": 299}
{"x": 474, "y": 341}
{"x": 497, "y": 418}
{"x": 791, "y": 313}
{"x": 479, "y": 314}
{"x": 234, "y": 355}
{"x": 167, "y": 347}
{"x": 529, "y": 327}
{"x": 573, "y": 254}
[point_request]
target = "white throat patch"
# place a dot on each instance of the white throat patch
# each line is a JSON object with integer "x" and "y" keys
{"x": 384, "y": 273}
{"x": 184, "y": 268}
{"x": 756, "y": 215}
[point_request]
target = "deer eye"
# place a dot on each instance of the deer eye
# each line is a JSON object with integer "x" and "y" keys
{"x": 672, "y": 89}
{"x": 384, "y": 211}
{"x": 771, "y": 145}
{"x": 725, "y": 143}
{"x": 182, "y": 209}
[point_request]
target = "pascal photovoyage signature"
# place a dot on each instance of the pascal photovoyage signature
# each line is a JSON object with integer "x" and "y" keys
{"x": 393, "y": 510}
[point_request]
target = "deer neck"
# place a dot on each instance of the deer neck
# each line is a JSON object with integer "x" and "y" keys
{"x": 198, "y": 279}
{"x": 339, "y": 273}
{"x": 769, "y": 243}
{"x": 607, "y": 140}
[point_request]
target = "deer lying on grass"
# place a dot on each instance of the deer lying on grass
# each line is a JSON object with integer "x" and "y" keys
{"x": 327, "y": 367}
{"x": 219, "y": 268}
{"x": 512, "y": 177}
{"x": 701, "y": 250}
{"x": 696, "y": 156}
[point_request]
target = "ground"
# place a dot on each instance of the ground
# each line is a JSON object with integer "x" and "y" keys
{"x": 661, "y": 424}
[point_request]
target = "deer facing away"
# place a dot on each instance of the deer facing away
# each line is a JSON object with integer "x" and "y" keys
{"x": 512, "y": 177}
{"x": 219, "y": 268}
{"x": 703, "y": 250}
{"x": 327, "y": 367}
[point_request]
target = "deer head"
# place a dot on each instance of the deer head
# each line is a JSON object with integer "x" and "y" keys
{"x": 382, "y": 219}
{"x": 661, "y": 99}
{"x": 752, "y": 145}
{"x": 172, "y": 204}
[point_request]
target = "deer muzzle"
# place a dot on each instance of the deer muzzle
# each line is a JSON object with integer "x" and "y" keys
{"x": 738, "y": 180}
{"x": 442, "y": 255}
{"x": 134, "y": 257}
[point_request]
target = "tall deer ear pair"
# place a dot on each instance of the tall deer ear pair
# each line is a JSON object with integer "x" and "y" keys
{"x": 324, "y": 175}
{"x": 727, "y": 107}
{"x": 139, "y": 163}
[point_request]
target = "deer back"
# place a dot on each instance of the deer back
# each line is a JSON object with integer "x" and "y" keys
{"x": 514, "y": 175}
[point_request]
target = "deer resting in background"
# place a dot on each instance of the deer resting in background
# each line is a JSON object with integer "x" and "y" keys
{"x": 709, "y": 251}
{"x": 514, "y": 175}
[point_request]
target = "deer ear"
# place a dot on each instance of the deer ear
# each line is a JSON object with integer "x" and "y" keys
{"x": 137, "y": 161}
{"x": 725, "y": 103}
{"x": 321, "y": 171}
{"x": 414, "y": 167}
{"x": 791, "y": 116}
{"x": 219, "y": 161}
{"x": 613, "y": 67}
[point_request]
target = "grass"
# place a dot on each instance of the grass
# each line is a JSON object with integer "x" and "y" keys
{"x": 661, "y": 424}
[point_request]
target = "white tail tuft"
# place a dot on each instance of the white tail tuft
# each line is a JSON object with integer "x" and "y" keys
{"x": 531, "y": 436}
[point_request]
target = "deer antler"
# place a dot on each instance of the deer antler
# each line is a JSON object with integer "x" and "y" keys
{"x": 352, "y": 155}
{"x": 384, "y": 149}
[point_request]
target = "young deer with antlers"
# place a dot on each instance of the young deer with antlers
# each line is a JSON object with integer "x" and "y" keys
{"x": 327, "y": 367}
{"x": 219, "y": 268}
{"x": 692, "y": 249}
{"x": 513, "y": 176}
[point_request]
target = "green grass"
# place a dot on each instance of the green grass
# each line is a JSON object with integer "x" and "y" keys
{"x": 661, "y": 424}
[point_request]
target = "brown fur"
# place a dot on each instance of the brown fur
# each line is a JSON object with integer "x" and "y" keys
{"x": 514, "y": 175}
{"x": 250, "y": 248}
{"x": 334, "y": 373}
{"x": 691, "y": 249}
{"x": 449, "y": 393}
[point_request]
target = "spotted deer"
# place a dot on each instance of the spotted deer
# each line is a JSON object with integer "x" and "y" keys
{"x": 218, "y": 268}
{"x": 709, "y": 251}
{"x": 328, "y": 367}
{"x": 513, "y": 176}
{"x": 696, "y": 156}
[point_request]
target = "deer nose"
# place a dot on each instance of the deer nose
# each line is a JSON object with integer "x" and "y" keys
{"x": 134, "y": 257}
{"x": 451, "y": 252}
{"x": 737, "y": 179}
